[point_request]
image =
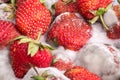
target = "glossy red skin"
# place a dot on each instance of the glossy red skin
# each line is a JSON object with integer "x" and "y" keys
{"x": 80, "y": 73}
{"x": 70, "y": 31}
{"x": 85, "y": 6}
{"x": 61, "y": 7}
{"x": 8, "y": 32}
{"x": 32, "y": 17}
{"x": 20, "y": 59}
{"x": 43, "y": 58}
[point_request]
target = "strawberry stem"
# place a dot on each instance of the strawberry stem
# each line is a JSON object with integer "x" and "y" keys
{"x": 34, "y": 69}
{"x": 39, "y": 35}
{"x": 103, "y": 22}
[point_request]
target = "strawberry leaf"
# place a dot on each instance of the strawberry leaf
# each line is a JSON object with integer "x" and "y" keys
{"x": 32, "y": 49}
{"x": 92, "y": 21}
{"x": 108, "y": 7}
{"x": 38, "y": 78}
{"x": 93, "y": 12}
{"x": 17, "y": 38}
{"x": 49, "y": 47}
{"x": 46, "y": 75}
{"x": 24, "y": 40}
{"x": 42, "y": 1}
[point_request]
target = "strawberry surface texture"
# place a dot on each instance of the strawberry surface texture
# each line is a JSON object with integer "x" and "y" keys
{"x": 60, "y": 39}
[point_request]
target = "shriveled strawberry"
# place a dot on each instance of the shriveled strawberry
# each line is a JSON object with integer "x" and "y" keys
{"x": 69, "y": 31}
{"x": 114, "y": 32}
{"x": 86, "y": 6}
{"x": 25, "y": 52}
{"x": 80, "y": 73}
{"x": 62, "y": 65}
{"x": 8, "y": 31}
{"x": 32, "y": 17}
{"x": 62, "y": 6}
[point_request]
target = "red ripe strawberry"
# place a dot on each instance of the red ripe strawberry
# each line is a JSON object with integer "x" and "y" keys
{"x": 7, "y": 32}
{"x": 80, "y": 73}
{"x": 62, "y": 6}
{"x": 62, "y": 65}
{"x": 69, "y": 31}
{"x": 24, "y": 53}
{"x": 19, "y": 61}
{"x": 86, "y": 6}
{"x": 32, "y": 17}
{"x": 114, "y": 32}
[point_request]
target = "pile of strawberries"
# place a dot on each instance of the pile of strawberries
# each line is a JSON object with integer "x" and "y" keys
{"x": 65, "y": 28}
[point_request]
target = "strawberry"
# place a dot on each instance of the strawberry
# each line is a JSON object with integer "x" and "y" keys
{"x": 86, "y": 6}
{"x": 19, "y": 61}
{"x": 62, "y": 6}
{"x": 92, "y": 10}
{"x": 8, "y": 31}
{"x": 69, "y": 31}
{"x": 80, "y": 73}
{"x": 26, "y": 52}
{"x": 62, "y": 65}
{"x": 114, "y": 32}
{"x": 32, "y": 17}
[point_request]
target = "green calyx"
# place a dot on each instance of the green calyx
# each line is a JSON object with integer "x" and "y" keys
{"x": 42, "y": 1}
{"x": 43, "y": 76}
{"x": 98, "y": 14}
{"x": 100, "y": 11}
{"x": 33, "y": 45}
{"x": 38, "y": 78}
